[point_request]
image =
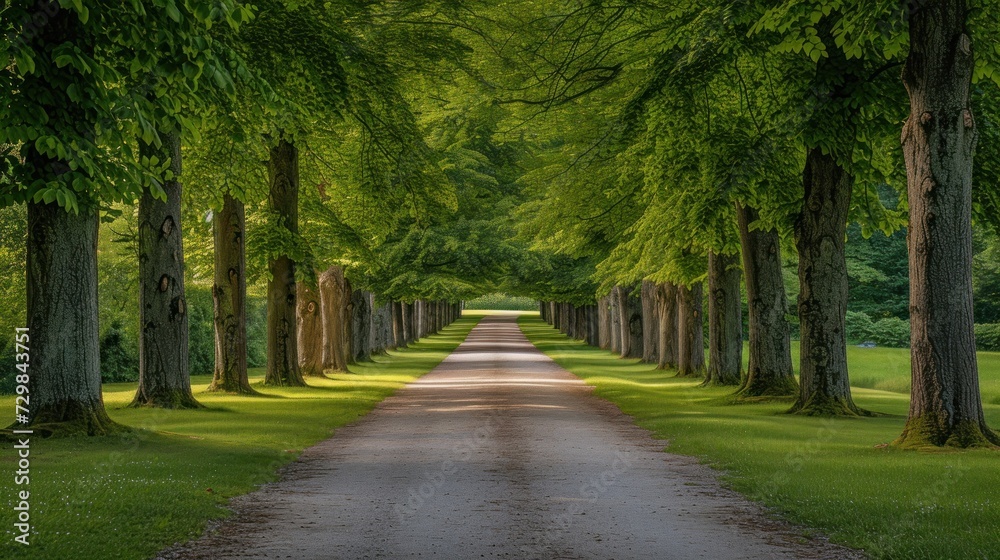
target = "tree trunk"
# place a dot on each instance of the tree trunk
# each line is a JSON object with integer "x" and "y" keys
{"x": 939, "y": 140}
{"x": 309, "y": 330}
{"x": 666, "y": 304}
{"x": 282, "y": 344}
{"x": 581, "y": 322}
{"x": 820, "y": 233}
{"x": 770, "y": 370}
{"x": 384, "y": 339}
{"x": 361, "y": 326}
{"x": 590, "y": 324}
{"x": 650, "y": 323}
{"x": 334, "y": 297}
{"x": 616, "y": 320}
{"x": 725, "y": 321}
{"x": 630, "y": 312}
{"x": 604, "y": 323}
{"x": 229, "y": 299}
{"x": 690, "y": 334}
{"x": 65, "y": 368}
{"x": 410, "y": 322}
{"x": 348, "y": 324}
{"x": 164, "y": 377}
{"x": 398, "y": 330}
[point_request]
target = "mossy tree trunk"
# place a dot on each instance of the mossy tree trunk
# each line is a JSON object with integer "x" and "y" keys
{"x": 820, "y": 233}
{"x": 282, "y": 343}
{"x": 65, "y": 379}
{"x": 770, "y": 367}
{"x": 725, "y": 321}
{"x": 666, "y": 303}
{"x": 309, "y": 330}
{"x": 939, "y": 140}
{"x": 229, "y": 299}
{"x": 164, "y": 377}
{"x": 690, "y": 333}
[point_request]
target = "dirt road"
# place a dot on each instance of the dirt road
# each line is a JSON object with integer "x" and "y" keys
{"x": 498, "y": 453}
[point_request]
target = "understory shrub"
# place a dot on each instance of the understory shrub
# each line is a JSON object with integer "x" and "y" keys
{"x": 892, "y": 332}
{"x": 988, "y": 337}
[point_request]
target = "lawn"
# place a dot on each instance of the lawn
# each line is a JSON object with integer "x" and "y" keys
{"x": 827, "y": 474}
{"x": 130, "y": 496}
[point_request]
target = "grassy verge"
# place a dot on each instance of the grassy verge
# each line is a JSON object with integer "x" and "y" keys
{"x": 128, "y": 497}
{"x": 828, "y": 474}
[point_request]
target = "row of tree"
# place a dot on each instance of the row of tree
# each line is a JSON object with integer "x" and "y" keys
{"x": 298, "y": 126}
{"x": 762, "y": 129}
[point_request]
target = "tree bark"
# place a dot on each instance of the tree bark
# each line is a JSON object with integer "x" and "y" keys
{"x": 770, "y": 370}
{"x": 690, "y": 333}
{"x": 65, "y": 368}
{"x": 164, "y": 377}
{"x": 604, "y": 323}
{"x": 334, "y": 296}
{"x": 229, "y": 299}
{"x": 666, "y": 303}
{"x": 820, "y": 233}
{"x": 630, "y": 312}
{"x": 309, "y": 330}
{"x": 348, "y": 324}
{"x": 725, "y": 321}
{"x": 361, "y": 326}
{"x": 398, "y": 330}
{"x": 650, "y": 323}
{"x": 410, "y": 322}
{"x": 939, "y": 140}
{"x": 282, "y": 344}
{"x": 616, "y": 320}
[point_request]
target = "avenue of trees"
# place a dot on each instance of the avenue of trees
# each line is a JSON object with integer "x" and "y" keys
{"x": 363, "y": 167}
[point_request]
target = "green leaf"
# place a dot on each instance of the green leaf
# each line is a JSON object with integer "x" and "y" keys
{"x": 173, "y": 12}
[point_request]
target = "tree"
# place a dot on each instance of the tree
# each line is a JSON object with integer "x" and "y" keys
{"x": 70, "y": 110}
{"x": 939, "y": 140}
{"x": 725, "y": 321}
{"x": 164, "y": 377}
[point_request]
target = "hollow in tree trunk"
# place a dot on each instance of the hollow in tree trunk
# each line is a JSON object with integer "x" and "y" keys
{"x": 309, "y": 330}
{"x": 282, "y": 343}
{"x": 690, "y": 334}
{"x": 229, "y": 297}
{"x": 666, "y": 303}
{"x": 164, "y": 377}
{"x": 770, "y": 369}
{"x": 939, "y": 140}
{"x": 725, "y": 321}
{"x": 65, "y": 381}
{"x": 820, "y": 232}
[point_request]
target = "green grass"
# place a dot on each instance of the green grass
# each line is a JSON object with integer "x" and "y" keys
{"x": 826, "y": 474}
{"x": 130, "y": 496}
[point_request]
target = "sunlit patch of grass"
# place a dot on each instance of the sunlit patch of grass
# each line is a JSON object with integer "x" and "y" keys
{"x": 130, "y": 495}
{"x": 828, "y": 474}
